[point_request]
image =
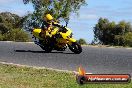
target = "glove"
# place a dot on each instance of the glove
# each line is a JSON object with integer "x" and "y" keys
{"x": 63, "y": 28}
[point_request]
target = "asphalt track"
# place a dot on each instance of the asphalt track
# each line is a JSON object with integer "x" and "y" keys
{"x": 92, "y": 59}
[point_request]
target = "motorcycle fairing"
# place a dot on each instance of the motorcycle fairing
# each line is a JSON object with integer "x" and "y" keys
{"x": 36, "y": 33}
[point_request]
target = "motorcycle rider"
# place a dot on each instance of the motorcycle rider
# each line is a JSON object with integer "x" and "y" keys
{"x": 48, "y": 26}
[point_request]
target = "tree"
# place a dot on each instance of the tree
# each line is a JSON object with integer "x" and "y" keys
{"x": 10, "y": 20}
{"x": 82, "y": 41}
{"x": 4, "y": 28}
{"x": 110, "y": 33}
{"x": 1, "y": 37}
{"x": 16, "y": 35}
{"x": 128, "y": 39}
{"x": 60, "y": 9}
{"x": 10, "y": 25}
{"x": 1, "y": 20}
{"x": 101, "y": 31}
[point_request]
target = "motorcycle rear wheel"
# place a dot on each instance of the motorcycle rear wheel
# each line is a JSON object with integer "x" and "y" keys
{"x": 47, "y": 49}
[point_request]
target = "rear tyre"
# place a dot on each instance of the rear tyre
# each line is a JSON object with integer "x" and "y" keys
{"x": 75, "y": 47}
{"x": 47, "y": 49}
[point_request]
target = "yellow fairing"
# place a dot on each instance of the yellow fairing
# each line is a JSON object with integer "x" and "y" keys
{"x": 72, "y": 40}
{"x": 54, "y": 31}
{"x": 67, "y": 34}
{"x": 61, "y": 40}
{"x": 36, "y": 33}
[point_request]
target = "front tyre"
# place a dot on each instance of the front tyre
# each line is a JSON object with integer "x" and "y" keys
{"x": 75, "y": 47}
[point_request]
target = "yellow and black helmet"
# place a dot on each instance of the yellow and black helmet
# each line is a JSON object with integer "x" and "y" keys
{"x": 48, "y": 18}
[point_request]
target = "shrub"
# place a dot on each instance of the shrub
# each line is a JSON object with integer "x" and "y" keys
{"x": 17, "y": 35}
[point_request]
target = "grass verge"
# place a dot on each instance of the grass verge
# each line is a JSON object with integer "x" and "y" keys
{"x": 12, "y": 76}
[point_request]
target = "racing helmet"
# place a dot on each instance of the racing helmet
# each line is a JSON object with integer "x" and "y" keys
{"x": 48, "y": 18}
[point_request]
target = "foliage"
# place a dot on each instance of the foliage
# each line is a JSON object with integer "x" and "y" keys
{"x": 60, "y": 9}
{"x": 17, "y": 35}
{"x": 110, "y": 33}
{"x": 128, "y": 39}
{"x": 82, "y": 41}
{"x": 3, "y": 28}
{"x": 1, "y": 37}
{"x": 9, "y": 19}
{"x": 10, "y": 25}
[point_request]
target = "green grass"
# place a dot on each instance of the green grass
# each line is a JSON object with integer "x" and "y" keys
{"x": 26, "y": 77}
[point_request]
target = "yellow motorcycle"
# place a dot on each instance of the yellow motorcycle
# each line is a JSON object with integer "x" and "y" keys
{"x": 61, "y": 38}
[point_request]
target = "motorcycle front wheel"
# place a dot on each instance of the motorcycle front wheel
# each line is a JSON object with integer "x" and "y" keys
{"x": 75, "y": 47}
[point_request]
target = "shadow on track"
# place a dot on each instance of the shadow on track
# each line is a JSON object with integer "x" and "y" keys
{"x": 40, "y": 51}
{"x": 30, "y": 51}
